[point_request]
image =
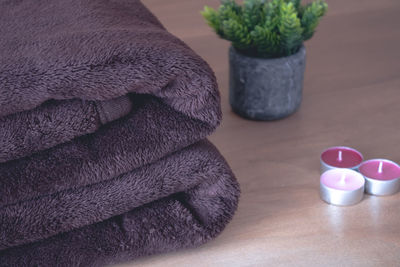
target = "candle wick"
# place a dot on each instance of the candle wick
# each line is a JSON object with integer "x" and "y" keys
{"x": 340, "y": 157}
{"x": 380, "y": 167}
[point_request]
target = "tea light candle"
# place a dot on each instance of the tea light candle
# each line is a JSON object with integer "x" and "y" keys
{"x": 340, "y": 157}
{"x": 382, "y": 176}
{"x": 342, "y": 187}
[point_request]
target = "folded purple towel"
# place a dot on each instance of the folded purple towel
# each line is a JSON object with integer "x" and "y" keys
{"x": 102, "y": 119}
{"x": 183, "y": 201}
{"x": 97, "y": 50}
{"x": 149, "y": 132}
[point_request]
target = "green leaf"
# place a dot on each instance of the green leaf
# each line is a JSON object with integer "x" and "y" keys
{"x": 253, "y": 13}
{"x": 236, "y": 32}
{"x": 311, "y": 16}
{"x": 230, "y": 10}
{"x": 290, "y": 29}
{"x": 266, "y": 41}
{"x": 213, "y": 19}
{"x": 296, "y": 4}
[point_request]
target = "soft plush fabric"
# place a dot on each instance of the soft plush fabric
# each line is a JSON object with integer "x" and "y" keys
{"x": 116, "y": 149}
{"x": 97, "y": 50}
{"x": 103, "y": 116}
{"x": 151, "y": 131}
{"x": 195, "y": 196}
{"x": 55, "y": 122}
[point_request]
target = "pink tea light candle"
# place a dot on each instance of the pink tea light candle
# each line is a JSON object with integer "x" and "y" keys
{"x": 342, "y": 187}
{"x": 340, "y": 157}
{"x": 382, "y": 176}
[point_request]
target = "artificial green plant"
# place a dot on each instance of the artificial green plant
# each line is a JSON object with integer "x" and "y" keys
{"x": 263, "y": 28}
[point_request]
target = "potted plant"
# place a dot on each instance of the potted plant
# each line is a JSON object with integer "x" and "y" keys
{"x": 267, "y": 56}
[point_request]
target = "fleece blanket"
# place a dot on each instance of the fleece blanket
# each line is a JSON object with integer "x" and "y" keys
{"x": 55, "y": 122}
{"x": 182, "y": 201}
{"x": 102, "y": 119}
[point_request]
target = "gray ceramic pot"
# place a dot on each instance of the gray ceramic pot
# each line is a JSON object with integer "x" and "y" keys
{"x": 265, "y": 89}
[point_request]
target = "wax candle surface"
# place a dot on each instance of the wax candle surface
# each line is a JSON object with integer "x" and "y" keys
{"x": 386, "y": 171}
{"x": 341, "y": 157}
{"x": 342, "y": 179}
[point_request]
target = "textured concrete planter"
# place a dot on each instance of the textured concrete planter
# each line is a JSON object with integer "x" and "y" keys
{"x": 265, "y": 89}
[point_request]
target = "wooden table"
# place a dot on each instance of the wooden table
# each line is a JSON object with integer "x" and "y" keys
{"x": 351, "y": 97}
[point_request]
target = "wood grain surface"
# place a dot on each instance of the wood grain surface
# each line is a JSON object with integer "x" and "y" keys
{"x": 352, "y": 98}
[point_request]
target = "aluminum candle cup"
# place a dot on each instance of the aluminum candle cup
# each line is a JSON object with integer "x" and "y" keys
{"x": 382, "y": 177}
{"x": 342, "y": 187}
{"x": 340, "y": 157}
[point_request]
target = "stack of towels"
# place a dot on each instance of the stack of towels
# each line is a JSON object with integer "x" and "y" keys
{"x": 103, "y": 120}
